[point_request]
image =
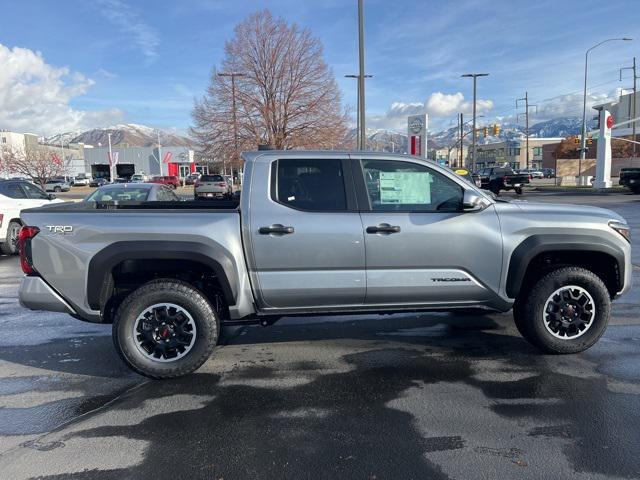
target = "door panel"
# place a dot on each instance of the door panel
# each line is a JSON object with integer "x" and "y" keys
{"x": 434, "y": 258}
{"x": 305, "y": 259}
{"x": 420, "y": 247}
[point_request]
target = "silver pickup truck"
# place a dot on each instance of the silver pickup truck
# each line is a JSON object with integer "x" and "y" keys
{"x": 320, "y": 233}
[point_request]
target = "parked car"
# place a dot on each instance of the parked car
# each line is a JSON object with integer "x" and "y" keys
{"x": 98, "y": 182}
{"x": 138, "y": 178}
{"x": 57, "y": 185}
{"x": 313, "y": 237}
{"x": 16, "y": 195}
{"x": 532, "y": 172}
{"x": 496, "y": 179}
{"x": 212, "y": 186}
{"x": 549, "y": 172}
{"x": 81, "y": 181}
{"x": 133, "y": 192}
{"x": 630, "y": 178}
{"x": 191, "y": 179}
{"x": 172, "y": 181}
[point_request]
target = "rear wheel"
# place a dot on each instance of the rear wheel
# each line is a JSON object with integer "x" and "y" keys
{"x": 57, "y": 189}
{"x": 10, "y": 245}
{"x": 635, "y": 190}
{"x": 566, "y": 311}
{"x": 518, "y": 191}
{"x": 165, "y": 329}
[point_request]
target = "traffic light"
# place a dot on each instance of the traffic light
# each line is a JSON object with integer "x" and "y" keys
{"x": 496, "y": 130}
{"x": 485, "y": 132}
{"x": 589, "y": 141}
{"x": 576, "y": 140}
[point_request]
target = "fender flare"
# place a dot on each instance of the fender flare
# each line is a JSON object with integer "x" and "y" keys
{"x": 216, "y": 258}
{"x": 534, "y": 245}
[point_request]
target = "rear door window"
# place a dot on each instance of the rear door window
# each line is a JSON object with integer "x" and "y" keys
{"x": 12, "y": 190}
{"x": 309, "y": 184}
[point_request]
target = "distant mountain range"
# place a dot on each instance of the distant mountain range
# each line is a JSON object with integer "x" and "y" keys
{"x": 128, "y": 134}
{"x": 135, "y": 135}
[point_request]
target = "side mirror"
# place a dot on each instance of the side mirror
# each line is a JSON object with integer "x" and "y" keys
{"x": 472, "y": 201}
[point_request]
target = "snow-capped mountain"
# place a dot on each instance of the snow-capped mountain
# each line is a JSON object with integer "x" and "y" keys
{"x": 130, "y": 134}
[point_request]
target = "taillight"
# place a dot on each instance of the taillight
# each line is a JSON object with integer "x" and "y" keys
{"x": 24, "y": 248}
{"x": 505, "y": 179}
{"x": 1, "y": 218}
{"x": 196, "y": 183}
{"x": 222, "y": 184}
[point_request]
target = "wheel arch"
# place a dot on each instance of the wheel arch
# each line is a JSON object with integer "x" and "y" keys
{"x": 100, "y": 279}
{"x": 593, "y": 252}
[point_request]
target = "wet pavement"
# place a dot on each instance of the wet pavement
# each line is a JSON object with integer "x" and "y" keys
{"x": 401, "y": 396}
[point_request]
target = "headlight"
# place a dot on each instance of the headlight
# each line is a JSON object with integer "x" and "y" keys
{"x": 622, "y": 229}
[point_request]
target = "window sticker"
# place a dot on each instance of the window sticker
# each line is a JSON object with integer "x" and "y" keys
{"x": 405, "y": 188}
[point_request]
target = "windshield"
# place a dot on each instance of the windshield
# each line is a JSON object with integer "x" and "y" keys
{"x": 119, "y": 194}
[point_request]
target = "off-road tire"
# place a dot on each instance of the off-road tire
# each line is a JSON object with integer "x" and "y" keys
{"x": 166, "y": 291}
{"x": 528, "y": 310}
{"x": 8, "y": 247}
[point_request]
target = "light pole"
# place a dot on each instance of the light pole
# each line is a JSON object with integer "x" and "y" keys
{"x": 361, "y": 75}
{"x": 584, "y": 100}
{"x": 233, "y": 76}
{"x": 473, "y": 148}
{"x": 358, "y": 136}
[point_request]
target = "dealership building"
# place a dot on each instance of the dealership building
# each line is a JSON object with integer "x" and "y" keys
{"x": 169, "y": 160}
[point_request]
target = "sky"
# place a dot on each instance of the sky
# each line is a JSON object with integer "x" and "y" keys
{"x": 74, "y": 64}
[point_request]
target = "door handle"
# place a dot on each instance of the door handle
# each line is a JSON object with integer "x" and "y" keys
{"x": 383, "y": 228}
{"x": 276, "y": 228}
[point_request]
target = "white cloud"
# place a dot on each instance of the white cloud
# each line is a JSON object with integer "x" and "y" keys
{"x": 439, "y": 105}
{"x": 128, "y": 21}
{"x": 570, "y": 105}
{"x": 35, "y": 96}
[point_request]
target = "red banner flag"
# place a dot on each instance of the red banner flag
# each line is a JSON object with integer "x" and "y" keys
{"x": 56, "y": 159}
{"x": 167, "y": 157}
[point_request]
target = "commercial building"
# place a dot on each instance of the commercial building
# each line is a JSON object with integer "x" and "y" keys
{"x": 169, "y": 160}
{"x": 514, "y": 153}
{"x": 71, "y": 155}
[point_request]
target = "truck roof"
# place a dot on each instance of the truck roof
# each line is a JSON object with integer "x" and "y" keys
{"x": 251, "y": 156}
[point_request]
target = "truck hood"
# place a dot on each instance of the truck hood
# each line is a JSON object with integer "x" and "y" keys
{"x": 564, "y": 209}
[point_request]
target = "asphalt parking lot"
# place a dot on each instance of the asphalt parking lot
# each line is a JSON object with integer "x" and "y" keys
{"x": 403, "y": 396}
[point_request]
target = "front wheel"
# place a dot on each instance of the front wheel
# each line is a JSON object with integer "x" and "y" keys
{"x": 57, "y": 189}
{"x": 566, "y": 311}
{"x": 165, "y": 329}
{"x": 518, "y": 191}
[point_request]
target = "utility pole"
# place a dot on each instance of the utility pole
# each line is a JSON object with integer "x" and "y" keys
{"x": 357, "y": 77}
{"x": 475, "y": 77}
{"x": 111, "y": 159}
{"x": 632, "y": 106}
{"x": 160, "y": 153}
{"x": 461, "y": 126}
{"x": 361, "y": 109}
{"x": 234, "y": 75}
{"x": 526, "y": 116}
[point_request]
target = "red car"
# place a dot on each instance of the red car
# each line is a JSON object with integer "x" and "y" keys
{"x": 172, "y": 181}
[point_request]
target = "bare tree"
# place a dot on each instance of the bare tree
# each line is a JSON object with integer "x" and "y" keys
{"x": 286, "y": 96}
{"x": 37, "y": 163}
